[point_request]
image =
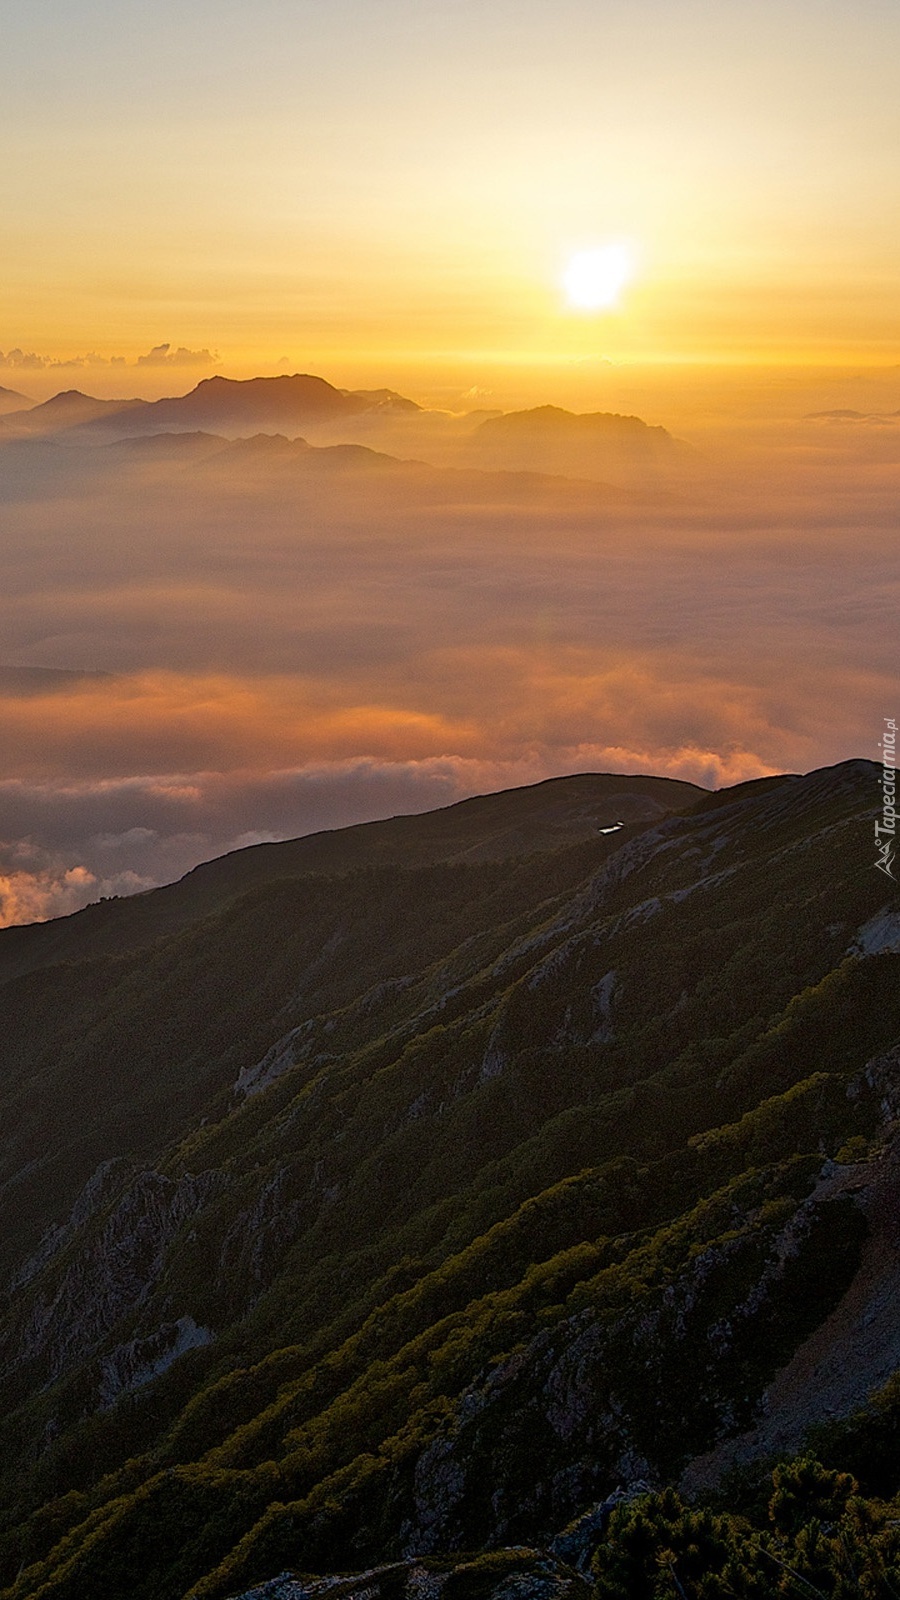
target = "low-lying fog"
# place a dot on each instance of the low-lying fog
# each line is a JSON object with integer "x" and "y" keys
{"x": 207, "y": 642}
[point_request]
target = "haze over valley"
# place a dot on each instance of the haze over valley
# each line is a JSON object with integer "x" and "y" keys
{"x": 269, "y": 607}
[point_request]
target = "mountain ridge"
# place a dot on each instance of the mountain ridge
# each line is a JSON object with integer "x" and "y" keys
{"x": 546, "y": 440}
{"x": 557, "y": 418}
{"x": 368, "y": 1190}
{"x": 340, "y": 850}
{"x": 228, "y": 402}
{"x": 11, "y": 400}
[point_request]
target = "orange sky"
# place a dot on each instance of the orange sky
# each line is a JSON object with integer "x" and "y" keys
{"x": 395, "y": 185}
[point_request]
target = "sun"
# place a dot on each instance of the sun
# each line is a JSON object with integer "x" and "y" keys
{"x": 594, "y": 279}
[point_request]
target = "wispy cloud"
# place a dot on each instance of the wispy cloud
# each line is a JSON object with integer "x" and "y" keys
{"x": 23, "y": 361}
{"x": 162, "y": 355}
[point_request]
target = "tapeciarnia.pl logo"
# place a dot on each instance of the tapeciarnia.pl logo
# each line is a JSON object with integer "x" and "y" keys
{"x": 886, "y": 828}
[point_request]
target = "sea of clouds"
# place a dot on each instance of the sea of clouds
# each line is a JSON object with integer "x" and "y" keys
{"x": 209, "y": 643}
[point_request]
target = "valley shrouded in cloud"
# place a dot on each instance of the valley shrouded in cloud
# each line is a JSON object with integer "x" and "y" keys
{"x": 213, "y": 641}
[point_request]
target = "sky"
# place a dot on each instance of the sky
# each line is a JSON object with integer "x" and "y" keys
{"x": 209, "y": 644}
{"x": 399, "y": 185}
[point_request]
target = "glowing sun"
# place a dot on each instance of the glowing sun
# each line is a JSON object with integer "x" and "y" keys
{"x": 594, "y": 279}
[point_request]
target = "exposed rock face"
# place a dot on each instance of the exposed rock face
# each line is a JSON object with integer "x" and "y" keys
{"x": 602, "y": 996}
{"x": 98, "y": 1269}
{"x": 282, "y": 1056}
{"x": 880, "y": 934}
{"x": 132, "y": 1365}
{"x": 576, "y": 1402}
{"x": 578, "y": 1542}
{"x": 881, "y": 1078}
{"x": 542, "y": 1429}
{"x": 516, "y": 1574}
{"x": 258, "y": 1236}
{"x": 100, "y": 1188}
{"x": 853, "y": 1351}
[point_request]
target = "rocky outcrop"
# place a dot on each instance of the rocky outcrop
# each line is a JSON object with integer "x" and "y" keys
{"x": 102, "y": 1187}
{"x": 880, "y": 1079}
{"x": 851, "y": 1354}
{"x": 592, "y": 1402}
{"x": 132, "y": 1365}
{"x": 257, "y": 1238}
{"x": 511, "y": 1574}
{"x": 101, "y": 1267}
{"x": 881, "y": 934}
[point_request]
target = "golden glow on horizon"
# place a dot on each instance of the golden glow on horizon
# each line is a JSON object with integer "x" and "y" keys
{"x": 414, "y": 199}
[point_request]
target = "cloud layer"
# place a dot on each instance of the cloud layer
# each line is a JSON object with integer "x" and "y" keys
{"x": 212, "y": 644}
{"x": 162, "y": 355}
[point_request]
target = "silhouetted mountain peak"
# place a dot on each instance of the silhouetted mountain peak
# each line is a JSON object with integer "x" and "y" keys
{"x": 75, "y": 400}
{"x": 282, "y": 404}
{"x": 298, "y": 388}
{"x": 69, "y": 409}
{"x": 10, "y": 399}
{"x": 382, "y": 400}
{"x": 574, "y": 424}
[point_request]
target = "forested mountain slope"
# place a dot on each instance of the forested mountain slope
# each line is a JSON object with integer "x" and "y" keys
{"x": 407, "y": 1208}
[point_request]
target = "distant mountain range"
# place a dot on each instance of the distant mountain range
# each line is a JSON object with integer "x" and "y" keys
{"x": 69, "y": 409}
{"x": 883, "y": 418}
{"x": 549, "y": 439}
{"x": 544, "y": 440}
{"x": 549, "y": 422}
{"x": 408, "y": 1188}
{"x": 270, "y": 465}
{"x": 226, "y": 405}
{"x": 11, "y": 400}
